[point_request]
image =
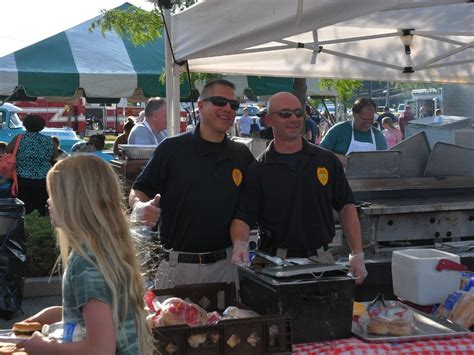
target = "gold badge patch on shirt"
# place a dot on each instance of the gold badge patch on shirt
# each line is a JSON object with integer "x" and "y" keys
{"x": 237, "y": 177}
{"x": 323, "y": 175}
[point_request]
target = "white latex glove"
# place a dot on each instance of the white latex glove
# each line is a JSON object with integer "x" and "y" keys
{"x": 147, "y": 213}
{"x": 357, "y": 267}
{"x": 240, "y": 252}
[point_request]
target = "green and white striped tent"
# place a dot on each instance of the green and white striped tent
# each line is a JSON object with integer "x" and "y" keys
{"x": 77, "y": 62}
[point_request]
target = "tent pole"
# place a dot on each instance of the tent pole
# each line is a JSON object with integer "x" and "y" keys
{"x": 172, "y": 76}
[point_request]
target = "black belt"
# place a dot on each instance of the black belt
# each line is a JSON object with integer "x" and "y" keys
{"x": 200, "y": 258}
{"x": 295, "y": 253}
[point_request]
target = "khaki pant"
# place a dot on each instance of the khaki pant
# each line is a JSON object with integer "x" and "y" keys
{"x": 171, "y": 273}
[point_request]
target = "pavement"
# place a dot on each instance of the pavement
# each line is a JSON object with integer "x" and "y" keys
{"x": 39, "y": 293}
{"x": 30, "y": 306}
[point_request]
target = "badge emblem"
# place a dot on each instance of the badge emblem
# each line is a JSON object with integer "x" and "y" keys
{"x": 323, "y": 175}
{"x": 237, "y": 177}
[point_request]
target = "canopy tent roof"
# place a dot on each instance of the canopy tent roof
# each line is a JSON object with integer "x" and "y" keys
{"x": 77, "y": 62}
{"x": 329, "y": 39}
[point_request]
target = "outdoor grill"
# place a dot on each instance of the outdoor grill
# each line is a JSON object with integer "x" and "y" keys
{"x": 419, "y": 195}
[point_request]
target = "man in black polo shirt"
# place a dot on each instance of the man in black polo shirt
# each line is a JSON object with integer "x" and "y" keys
{"x": 291, "y": 192}
{"x": 196, "y": 178}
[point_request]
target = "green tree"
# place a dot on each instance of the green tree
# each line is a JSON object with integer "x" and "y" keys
{"x": 344, "y": 88}
{"x": 141, "y": 27}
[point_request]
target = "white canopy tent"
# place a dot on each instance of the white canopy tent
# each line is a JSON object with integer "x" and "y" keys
{"x": 329, "y": 39}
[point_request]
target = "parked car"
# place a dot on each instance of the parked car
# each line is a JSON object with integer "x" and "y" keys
{"x": 11, "y": 125}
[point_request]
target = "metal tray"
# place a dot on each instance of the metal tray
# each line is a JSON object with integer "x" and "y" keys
{"x": 137, "y": 151}
{"x": 295, "y": 270}
{"x": 427, "y": 327}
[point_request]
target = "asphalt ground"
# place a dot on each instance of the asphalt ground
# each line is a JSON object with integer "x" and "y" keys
{"x": 30, "y": 306}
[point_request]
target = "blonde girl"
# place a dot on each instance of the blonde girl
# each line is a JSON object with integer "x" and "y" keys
{"x": 391, "y": 133}
{"x": 102, "y": 286}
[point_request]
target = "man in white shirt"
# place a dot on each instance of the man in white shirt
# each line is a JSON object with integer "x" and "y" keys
{"x": 244, "y": 124}
{"x": 153, "y": 129}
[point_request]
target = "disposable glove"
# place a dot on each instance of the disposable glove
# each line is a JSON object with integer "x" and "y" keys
{"x": 147, "y": 213}
{"x": 240, "y": 252}
{"x": 357, "y": 267}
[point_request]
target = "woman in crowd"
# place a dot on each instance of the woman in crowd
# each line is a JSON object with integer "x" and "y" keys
{"x": 102, "y": 286}
{"x": 33, "y": 160}
{"x": 391, "y": 133}
{"x": 123, "y": 138}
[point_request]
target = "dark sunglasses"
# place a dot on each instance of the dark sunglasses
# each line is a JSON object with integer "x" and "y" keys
{"x": 286, "y": 113}
{"x": 222, "y": 101}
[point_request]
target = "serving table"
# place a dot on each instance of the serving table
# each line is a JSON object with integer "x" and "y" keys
{"x": 356, "y": 346}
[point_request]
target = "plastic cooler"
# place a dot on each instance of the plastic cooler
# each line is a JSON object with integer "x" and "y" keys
{"x": 416, "y": 278}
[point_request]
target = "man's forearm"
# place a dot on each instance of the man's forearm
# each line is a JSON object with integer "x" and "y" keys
{"x": 351, "y": 227}
{"x": 239, "y": 230}
{"x": 135, "y": 196}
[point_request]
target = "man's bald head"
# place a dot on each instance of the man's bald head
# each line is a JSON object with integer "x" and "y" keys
{"x": 278, "y": 97}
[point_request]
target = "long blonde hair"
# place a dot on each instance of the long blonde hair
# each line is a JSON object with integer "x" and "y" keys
{"x": 90, "y": 216}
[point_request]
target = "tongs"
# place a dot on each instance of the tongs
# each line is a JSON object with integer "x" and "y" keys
{"x": 380, "y": 297}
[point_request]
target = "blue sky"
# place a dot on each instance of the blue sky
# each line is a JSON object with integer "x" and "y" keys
{"x": 25, "y": 22}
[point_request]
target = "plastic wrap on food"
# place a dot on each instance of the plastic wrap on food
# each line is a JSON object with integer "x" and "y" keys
{"x": 214, "y": 336}
{"x": 273, "y": 333}
{"x": 233, "y": 341}
{"x": 389, "y": 318}
{"x": 213, "y": 318}
{"x": 253, "y": 339}
{"x": 196, "y": 340}
{"x": 233, "y": 312}
{"x": 458, "y": 308}
{"x": 175, "y": 311}
{"x": 171, "y": 348}
{"x": 151, "y": 301}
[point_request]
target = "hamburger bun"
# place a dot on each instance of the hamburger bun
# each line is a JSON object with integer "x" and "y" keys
{"x": 378, "y": 326}
{"x": 26, "y": 327}
{"x": 7, "y": 348}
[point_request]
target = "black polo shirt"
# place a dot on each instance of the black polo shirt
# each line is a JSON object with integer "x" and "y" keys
{"x": 199, "y": 183}
{"x": 293, "y": 203}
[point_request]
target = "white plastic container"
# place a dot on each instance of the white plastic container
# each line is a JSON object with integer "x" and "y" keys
{"x": 415, "y": 278}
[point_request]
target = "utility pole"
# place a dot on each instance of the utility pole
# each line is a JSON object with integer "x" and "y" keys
{"x": 387, "y": 95}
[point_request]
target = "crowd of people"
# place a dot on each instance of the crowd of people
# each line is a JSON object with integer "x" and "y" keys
{"x": 204, "y": 192}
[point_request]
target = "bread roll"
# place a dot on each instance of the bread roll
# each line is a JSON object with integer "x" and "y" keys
{"x": 378, "y": 326}
{"x": 26, "y": 327}
{"x": 401, "y": 328}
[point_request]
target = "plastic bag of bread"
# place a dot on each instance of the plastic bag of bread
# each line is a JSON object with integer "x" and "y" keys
{"x": 458, "y": 308}
{"x": 175, "y": 311}
{"x": 390, "y": 318}
{"x": 233, "y": 312}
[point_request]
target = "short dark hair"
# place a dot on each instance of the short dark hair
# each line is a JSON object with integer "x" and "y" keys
{"x": 55, "y": 140}
{"x": 33, "y": 123}
{"x": 97, "y": 140}
{"x": 362, "y": 102}
{"x": 3, "y": 145}
{"x": 386, "y": 108}
{"x": 153, "y": 104}
{"x": 205, "y": 92}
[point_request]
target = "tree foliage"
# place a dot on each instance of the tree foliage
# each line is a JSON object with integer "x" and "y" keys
{"x": 139, "y": 25}
{"x": 142, "y": 27}
{"x": 345, "y": 88}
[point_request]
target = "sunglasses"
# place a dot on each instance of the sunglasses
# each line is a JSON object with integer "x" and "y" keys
{"x": 222, "y": 101}
{"x": 286, "y": 113}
